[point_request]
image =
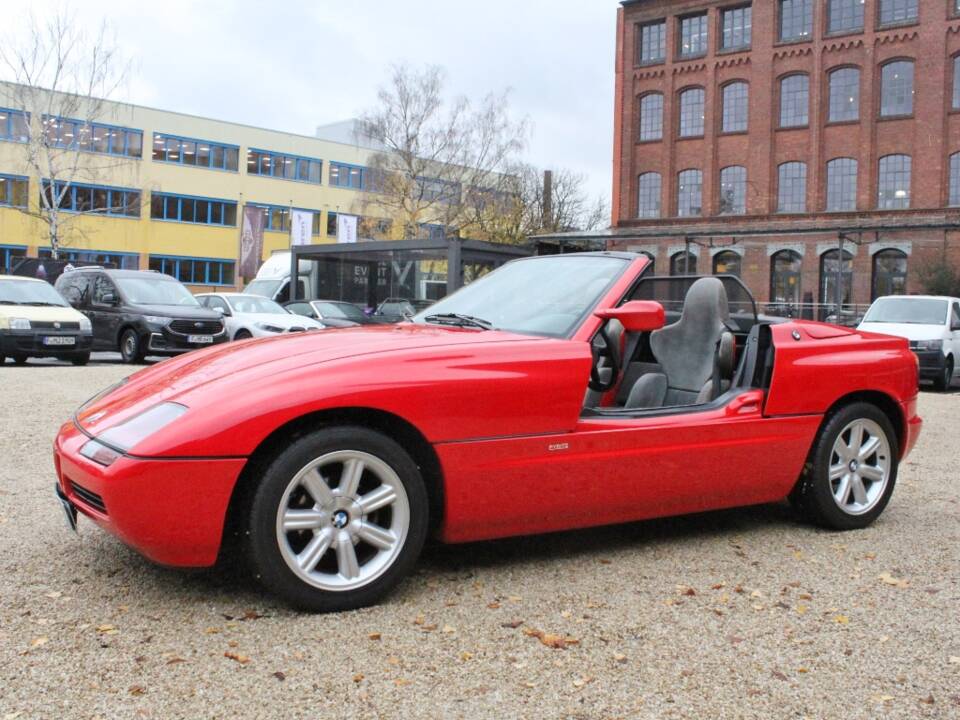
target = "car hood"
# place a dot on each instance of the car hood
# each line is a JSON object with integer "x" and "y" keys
{"x": 177, "y": 311}
{"x": 284, "y": 320}
{"x": 256, "y": 363}
{"x": 910, "y": 331}
{"x": 40, "y": 313}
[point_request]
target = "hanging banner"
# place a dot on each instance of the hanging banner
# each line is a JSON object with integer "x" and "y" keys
{"x": 346, "y": 228}
{"x": 251, "y": 241}
{"x": 301, "y": 227}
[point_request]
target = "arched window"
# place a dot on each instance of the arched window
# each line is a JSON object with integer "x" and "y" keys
{"x": 844, "y": 95}
{"x": 689, "y": 193}
{"x": 893, "y": 183}
{"x": 889, "y": 273}
{"x": 896, "y": 88}
{"x": 726, "y": 263}
{"x": 648, "y": 195}
{"x": 691, "y": 112}
{"x": 792, "y": 187}
{"x": 794, "y": 101}
{"x": 954, "y": 196}
{"x": 736, "y": 102}
{"x": 785, "y": 267}
{"x": 733, "y": 190}
{"x": 836, "y": 272}
{"x": 683, "y": 263}
{"x": 651, "y": 117}
{"x": 956, "y": 81}
{"x": 841, "y": 185}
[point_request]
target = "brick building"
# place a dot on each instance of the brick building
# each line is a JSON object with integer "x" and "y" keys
{"x": 764, "y": 136}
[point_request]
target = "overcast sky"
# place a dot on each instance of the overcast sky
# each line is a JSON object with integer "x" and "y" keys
{"x": 294, "y": 64}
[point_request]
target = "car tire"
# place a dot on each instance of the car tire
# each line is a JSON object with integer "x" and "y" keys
{"x": 337, "y": 520}
{"x": 242, "y": 335}
{"x": 851, "y": 471}
{"x": 19, "y": 359}
{"x": 942, "y": 383}
{"x": 81, "y": 359}
{"x": 131, "y": 348}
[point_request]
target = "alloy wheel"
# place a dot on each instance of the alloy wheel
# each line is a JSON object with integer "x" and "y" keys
{"x": 860, "y": 466}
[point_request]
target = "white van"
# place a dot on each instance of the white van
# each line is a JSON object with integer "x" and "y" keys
{"x": 273, "y": 279}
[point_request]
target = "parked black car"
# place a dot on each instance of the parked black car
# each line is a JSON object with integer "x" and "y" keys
{"x": 140, "y": 312}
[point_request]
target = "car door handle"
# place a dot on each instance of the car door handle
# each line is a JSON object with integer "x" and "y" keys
{"x": 746, "y": 403}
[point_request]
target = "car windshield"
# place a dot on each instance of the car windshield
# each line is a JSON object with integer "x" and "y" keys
{"x": 546, "y": 295}
{"x": 25, "y": 292}
{"x": 343, "y": 311}
{"x": 265, "y": 288}
{"x": 155, "y": 291}
{"x": 254, "y": 304}
{"x": 912, "y": 311}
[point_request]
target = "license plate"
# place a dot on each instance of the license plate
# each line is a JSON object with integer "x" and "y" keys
{"x": 59, "y": 340}
{"x": 200, "y": 339}
{"x": 69, "y": 511}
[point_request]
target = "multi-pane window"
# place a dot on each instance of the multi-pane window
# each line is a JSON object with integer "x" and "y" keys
{"x": 14, "y": 125}
{"x": 13, "y": 190}
{"x": 897, "y": 11}
{"x": 792, "y": 188}
{"x": 689, "y": 193}
{"x": 844, "y": 15}
{"x": 736, "y": 25}
{"x": 691, "y": 112}
{"x": 896, "y": 89}
{"x": 794, "y": 101}
{"x": 893, "y": 185}
{"x": 286, "y": 167}
{"x": 190, "y": 151}
{"x": 195, "y": 271}
{"x": 889, "y": 273}
{"x": 92, "y": 137}
{"x": 332, "y": 224}
{"x": 844, "y": 95}
{"x": 10, "y": 255}
{"x": 727, "y": 263}
{"x": 683, "y": 263}
{"x": 956, "y": 81}
{"x": 796, "y": 19}
{"x": 653, "y": 42}
{"x": 693, "y": 35}
{"x": 836, "y": 281}
{"x": 785, "y": 269}
{"x": 185, "y": 208}
{"x": 841, "y": 185}
{"x": 120, "y": 261}
{"x": 733, "y": 190}
{"x": 648, "y": 195}
{"x": 98, "y": 199}
{"x": 355, "y": 176}
{"x": 954, "y": 196}
{"x": 736, "y": 101}
{"x": 276, "y": 218}
{"x": 651, "y": 117}
{"x": 439, "y": 190}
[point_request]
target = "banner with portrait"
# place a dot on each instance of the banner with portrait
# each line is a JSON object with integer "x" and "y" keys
{"x": 251, "y": 241}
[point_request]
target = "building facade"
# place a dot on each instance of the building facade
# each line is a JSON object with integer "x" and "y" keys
{"x": 166, "y": 191}
{"x": 810, "y": 146}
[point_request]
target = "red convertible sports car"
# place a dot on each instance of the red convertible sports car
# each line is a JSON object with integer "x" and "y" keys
{"x": 556, "y": 392}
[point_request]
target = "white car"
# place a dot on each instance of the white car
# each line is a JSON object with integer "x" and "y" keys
{"x": 932, "y": 325}
{"x": 247, "y": 316}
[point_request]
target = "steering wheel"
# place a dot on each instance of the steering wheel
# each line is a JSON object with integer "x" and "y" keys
{"x": 611, "y": 354}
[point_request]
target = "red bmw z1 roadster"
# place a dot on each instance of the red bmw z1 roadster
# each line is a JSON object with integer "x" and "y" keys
{"x": 579, "y": 386}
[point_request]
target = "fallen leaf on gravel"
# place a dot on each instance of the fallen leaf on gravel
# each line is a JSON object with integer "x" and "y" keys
{"x": 778, "y": 675}
{"x": 374, "y": 636}
{"x": 393, "y": 660}
{"x": 802, "y": 670}
{"x": 734, "y": 640}
{"x": 400, "y": 682}
{"x": 136, "y": 690}
{"x": 738, "y": 589}
{"x": 236, "y": 657}
{"x": 928, "y": 700}
{"x": 418, "y": 620}
{"x": 756, "y": 594}
{"x": 806, "y": 596}
{"x": 493, "y": 605}
{"x": 689, "y": 591}
{"x": 801, "y": 609}
{"x": 466, "y": 655}
{"x": 429, "y": 628}
{"x": 891, "y": 580}
{"x": 717, "y": 586}
{"x": 512, "y": 625}
{"x": 358, "y": 678}
{"x": 842, "y": 619}
{"x": 233, "y": 643}
{"x": 529, "y": 685}
{"x": 212, "y": 630}
{"x": 107, "y": 630}
{"x": 175, "y": 661}
{"x": 279, "y": 675}
{"x": 882, "y": 698}
{"x": 515, "y": 598}
{"x": 557, "y": 642}
{"x": 604, "y": 561}
{"x": 252, "y": 615}
{"x": 620, "y": 657}
{"x": 448, "y": 629}
{"x": 580, "y": 682}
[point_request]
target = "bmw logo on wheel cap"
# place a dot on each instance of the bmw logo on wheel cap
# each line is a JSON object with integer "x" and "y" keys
{"x": 340, "y": 519}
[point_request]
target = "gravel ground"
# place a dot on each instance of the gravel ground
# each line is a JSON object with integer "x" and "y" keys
{"x": 736, "y": 614}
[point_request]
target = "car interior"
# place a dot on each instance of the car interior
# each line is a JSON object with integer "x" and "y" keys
{"x": 673, "y": 346}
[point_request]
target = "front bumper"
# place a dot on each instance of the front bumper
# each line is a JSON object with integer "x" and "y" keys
{"x": 931, "y": 362}
{"x": 167, "y": 342}
{"x": 171, "y": 511}
{"x": 31, "y": 343}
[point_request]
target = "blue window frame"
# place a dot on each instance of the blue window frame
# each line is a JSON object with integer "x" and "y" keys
{"x": 277, "y": 217}
{"x": 195, "y": 270}
{"x": 191, "y": 209}
{"x": 107, "y": 258}
{"x": 93, "y": 137}
{"x": 14, "y": 125}
{"x": 435, "y": 189}
{"x": 94, "y": 199}
{"x": 9, "y": 255}
{"x": 355, "y": 177}
{"x": 284, "y": 166}
{"x": 13, "y": 190}
{"x": 194, "y": 152}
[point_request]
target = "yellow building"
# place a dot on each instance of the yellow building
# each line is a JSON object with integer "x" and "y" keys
{"x": 168, "y": 189}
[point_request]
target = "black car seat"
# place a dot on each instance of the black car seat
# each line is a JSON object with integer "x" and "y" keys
{"x": 696, "y": 353}
{"x": 614, "y": 331}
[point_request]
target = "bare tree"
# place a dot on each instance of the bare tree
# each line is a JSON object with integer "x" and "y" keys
{"x": 434, "y": 155}
{"x": 60, "y": 83}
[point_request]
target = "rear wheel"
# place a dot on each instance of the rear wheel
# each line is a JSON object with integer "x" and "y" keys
{"x": 131, "y": 349}
{"x": 81, "y": 359}
{"x": 338, "y": 519}
{"x": 242, "y": 335}
{"x": 851, "y": 471}
{"x": 19, "y": 359}
{"x": 942, "y": 383}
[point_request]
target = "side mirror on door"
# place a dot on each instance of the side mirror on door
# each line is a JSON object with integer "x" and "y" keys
{"x": 636, "y": 316}
{"x": 108, "y": 298}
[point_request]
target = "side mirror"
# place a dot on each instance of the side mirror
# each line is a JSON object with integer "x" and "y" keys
{"x": 636, "y": 316}
{"x": 220, "y": 311}
{"x": 108, "y": 299}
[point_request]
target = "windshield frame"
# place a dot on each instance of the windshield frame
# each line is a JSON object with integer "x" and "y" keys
{"x": 276, "y": 287}
{"x": 253, "y": 297}
{"x": 56, "y": 299}
{"x": 909, "y": 300}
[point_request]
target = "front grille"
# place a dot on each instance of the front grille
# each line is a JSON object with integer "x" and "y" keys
{"x": 88, "y": 497}
{"x": 197, "y": 327}
{"x": 47, "y": 325}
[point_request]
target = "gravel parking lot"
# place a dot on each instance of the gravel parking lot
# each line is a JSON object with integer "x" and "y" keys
{"x": 736, "y": 614}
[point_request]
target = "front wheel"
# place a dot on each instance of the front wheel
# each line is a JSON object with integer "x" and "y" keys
{"x": 338, "y": 519}
{"x": 81, "y": 359}
{"x": 942, "y": 383}
{"x": 849, "y": 476}
{"x": 131, "y": 349}
{"x": 19, "y": 359}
